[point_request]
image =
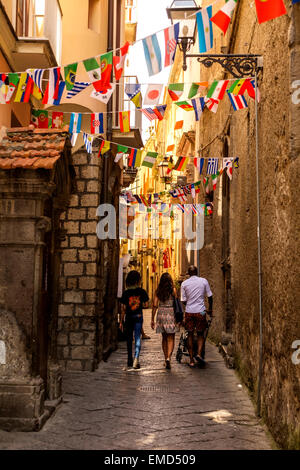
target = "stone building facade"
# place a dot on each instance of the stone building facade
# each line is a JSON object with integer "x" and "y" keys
{"x": 230, "y": 256}
{"x": 36, "y": 179}
{"x": 87, "y": 312}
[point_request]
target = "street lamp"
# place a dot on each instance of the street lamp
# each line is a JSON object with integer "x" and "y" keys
{"x": 163, "y": 171}
{"x": 184, "y": 11}
{"x": 239, "y": 65}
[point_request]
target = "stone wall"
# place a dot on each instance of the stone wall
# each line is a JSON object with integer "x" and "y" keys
{"x": 86, "y": 324}
{"x": 229, "y": 258}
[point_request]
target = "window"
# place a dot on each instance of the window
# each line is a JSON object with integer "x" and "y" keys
{"x": 22, "y": 17}
{"x": 30, "y": 17}
{"x": 94, "y": 15}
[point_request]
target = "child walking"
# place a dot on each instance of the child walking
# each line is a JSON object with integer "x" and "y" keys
{"x": 133, "y": 300}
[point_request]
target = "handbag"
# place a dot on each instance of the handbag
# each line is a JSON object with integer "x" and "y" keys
{"x": 178, "y": 311}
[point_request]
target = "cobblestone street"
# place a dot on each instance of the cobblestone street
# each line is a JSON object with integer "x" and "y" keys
{"x": 151, "y": 408}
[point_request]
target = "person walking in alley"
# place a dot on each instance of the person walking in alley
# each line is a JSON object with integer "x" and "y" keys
{"x": 193, "y": 293}
{"x": 133, "y": 300}
{"x": 163, "y": 304}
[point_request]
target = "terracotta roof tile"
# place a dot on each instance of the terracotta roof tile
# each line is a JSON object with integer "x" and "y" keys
{"x": 27, "y": 147}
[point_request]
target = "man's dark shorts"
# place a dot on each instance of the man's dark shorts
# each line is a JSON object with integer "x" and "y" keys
{"x": 195, "y": 321}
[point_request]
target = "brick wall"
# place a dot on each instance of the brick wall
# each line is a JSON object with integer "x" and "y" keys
{"x": 78, "y": 309}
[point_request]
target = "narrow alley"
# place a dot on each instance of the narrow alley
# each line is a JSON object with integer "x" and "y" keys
{"x": 149, "y": 409}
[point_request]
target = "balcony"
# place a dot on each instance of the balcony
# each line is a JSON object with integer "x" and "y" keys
{"x": 134, "y": 137}
{"x": 34, "y": 38}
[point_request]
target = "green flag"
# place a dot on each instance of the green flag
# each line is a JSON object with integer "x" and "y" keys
{"x": 93, "y": 69}
{"x": 70, "y": 75}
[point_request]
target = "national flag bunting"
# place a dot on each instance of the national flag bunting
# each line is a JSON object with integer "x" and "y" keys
{"x": 223, "y": 17}
{"x": 61, "y": 88}
{"x": 124, "y": 117}
{"x": 160, "y": 111}
{"x": 198, "y": 105}
{"x": 227, "y": 164}
{"x": 88, "y": 142}
{"x": 97, "y": 123}
{"x": 106, "y": 61}
{"x": 149, "y": 113}
{"x": 198, "y": 163}
{"x": 13, "y": 80}
{"x": 217, "y": 89}
{"x": 39, "y": 118}
{"x": 212, "y": 104}
{"x": 175, "y": 90}
{"x": 214, "y": 180}
{"x": 36, "y": 76}
{"x": 153, "y": 94}
{"x": 120, "y": 152}
{"x": 212, "y": 166}
{"x": 52, "y": 88}
{"x": 237, "y": 101}
{"x": 205, "y": 31}
{"x": 93, "y": 70}
{"x": 104, "y": 147}
{"x": 178, "y": 125}
{"x": 70, "y": 75}
{"x": 57, "y": 119}
{"x": 103, "y": 97}
{"x": 150, "y": 159}
{"x": 152, "y": 54}
{"x": 237, "y": 86}
{"x": 181, "y": 164}
{"x": 133, "y": 91}
{"x": 77, "y": 88}
{"x": 75, "y": 123}
{"x": 184, "y": 105}
{"x": 196, "y": 88}
{"x": 24, "y": 88}
{"x": 119, "y": 61}
{"x": 134, "y": 159}
{"x": 171, "y": 37}
{"x": 268, "y": 10}
{"x": 170, "y": 148}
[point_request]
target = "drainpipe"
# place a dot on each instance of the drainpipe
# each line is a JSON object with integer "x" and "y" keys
{"x": 259, "y": 259}
{"x": 107, "y": 162}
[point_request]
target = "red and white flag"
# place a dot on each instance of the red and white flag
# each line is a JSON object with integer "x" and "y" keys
{"x": 171, "y": 36}
{"x": 119, "y": 61}
{"x": 152, "y": 95}
{"x": 212, "y": 104}
{"x": 52, "y": 89}
{"x": 97, "y": 123}
{"x": 57, "y": 119}
{"x": 227, "y": 164}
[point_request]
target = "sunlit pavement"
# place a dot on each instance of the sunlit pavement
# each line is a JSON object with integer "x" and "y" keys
{"x": 150, "y": 408}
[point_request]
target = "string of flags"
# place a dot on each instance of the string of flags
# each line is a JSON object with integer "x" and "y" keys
{"x": 99, "y": 72}
{"x": 181, "y": 192}
{"x": 216, "y": 92}
{"x": 167, "y": 210}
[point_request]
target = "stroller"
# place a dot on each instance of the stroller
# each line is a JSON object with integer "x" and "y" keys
{"x": 183, "y": 345}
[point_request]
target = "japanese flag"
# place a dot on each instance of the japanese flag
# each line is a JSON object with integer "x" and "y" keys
{"x": 153, "y": 93}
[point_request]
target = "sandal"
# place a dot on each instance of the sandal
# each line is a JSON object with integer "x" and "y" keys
{"x": 168, "y": 364}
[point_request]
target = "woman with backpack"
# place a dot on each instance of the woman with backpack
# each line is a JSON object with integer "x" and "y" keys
{"x": 163, "y": 305}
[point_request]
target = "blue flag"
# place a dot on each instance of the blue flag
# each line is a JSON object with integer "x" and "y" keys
{"x": 205, "y": 30}
{"x": 152, "y": 54}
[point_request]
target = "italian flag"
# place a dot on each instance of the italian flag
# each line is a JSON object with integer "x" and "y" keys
{"x": 223, "y": 17}
{"x": 217, "y": 89}
{"x": 175, "y": 90}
